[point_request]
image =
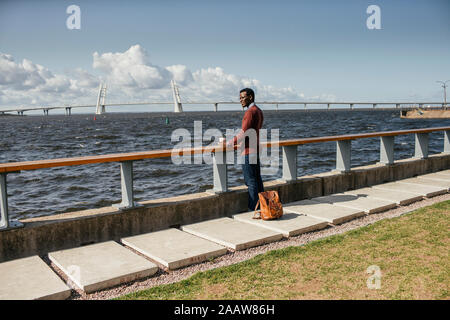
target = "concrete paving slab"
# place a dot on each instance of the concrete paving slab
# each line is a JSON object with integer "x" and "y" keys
{"x": 435, "y": 176}
{"x": 400, "y": 198}
{"x": 30, "y": 279}
{"x": 102, "y": 265}
{"x": 174, "y": 248}
{"x": 290, "y": 224}
{"x": 445, "y": 185}
{"x": 323, "y": 211}
{"x": 442, "y": 183}
{"x": 232, "y": 233}
{"x": 367, "y": 204}
{"x": 425, "y": 191}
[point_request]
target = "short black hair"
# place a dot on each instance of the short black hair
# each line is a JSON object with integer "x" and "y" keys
{"x": 249, "y": 92}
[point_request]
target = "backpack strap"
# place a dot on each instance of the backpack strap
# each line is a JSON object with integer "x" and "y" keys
{"x": 254, "y": 213}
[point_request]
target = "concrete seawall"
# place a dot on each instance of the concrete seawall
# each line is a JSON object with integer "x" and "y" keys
{"x": 44, "y": 234}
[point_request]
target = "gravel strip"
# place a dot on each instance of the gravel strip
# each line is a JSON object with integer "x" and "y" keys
{"x": 164, "y": 276}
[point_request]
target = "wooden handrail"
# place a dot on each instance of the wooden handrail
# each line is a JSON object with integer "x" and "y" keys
{"x": 119, "y": 157}
{"x": 352, "y": 136}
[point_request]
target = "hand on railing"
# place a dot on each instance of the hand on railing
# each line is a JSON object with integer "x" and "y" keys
{"x": 224, "y": 145}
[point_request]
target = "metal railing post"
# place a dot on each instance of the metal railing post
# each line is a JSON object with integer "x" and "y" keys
{"x": 421, "y": 146}
{"x": 289, "y": 163}
{"x": 126, "y": 176}
{"x": 5, "y": 223}
{"x": 220, "y": 172}
{"x": 343, "y": 155}
{"x": 447, "y": 141}
{"x": 387, "y": 150}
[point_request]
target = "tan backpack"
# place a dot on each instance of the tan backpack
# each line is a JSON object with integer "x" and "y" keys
{"x": 271, "y": 207}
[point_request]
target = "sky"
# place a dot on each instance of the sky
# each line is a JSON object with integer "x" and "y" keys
{"x": 310, "y": 50}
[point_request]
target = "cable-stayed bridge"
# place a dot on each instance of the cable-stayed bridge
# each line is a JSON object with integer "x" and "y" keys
{"x": 100, "y": 107}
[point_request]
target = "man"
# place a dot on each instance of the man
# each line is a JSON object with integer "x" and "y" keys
{"x": 251, "y": 124}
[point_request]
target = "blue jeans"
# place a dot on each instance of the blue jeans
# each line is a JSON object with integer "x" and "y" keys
{"x": 252, "y": 177}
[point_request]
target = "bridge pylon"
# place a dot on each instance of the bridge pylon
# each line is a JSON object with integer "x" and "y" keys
{"x": 101, "y": 99}
{"x": 178, "y": 107}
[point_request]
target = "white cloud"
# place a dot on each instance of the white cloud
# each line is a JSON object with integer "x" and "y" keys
{"x": 130, "y": 76}
{"x": 131, "y": 69}
{"x": 83, "y": 79}
{"x": 20, "y": 76}
{"x": 26, "y": 83}
{"x": 216, "y": 83}
{"x": 181, "y": 74}
{"x": 212, "y": 81}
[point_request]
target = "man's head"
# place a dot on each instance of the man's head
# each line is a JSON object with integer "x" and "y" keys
{"x": 246, "y": 97}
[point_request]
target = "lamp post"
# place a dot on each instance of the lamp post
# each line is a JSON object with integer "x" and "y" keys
{"x": 444, "y": 85}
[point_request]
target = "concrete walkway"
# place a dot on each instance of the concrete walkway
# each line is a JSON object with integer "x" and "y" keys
{"x": 174, "y": 248}
{"x": 102, "y": 265}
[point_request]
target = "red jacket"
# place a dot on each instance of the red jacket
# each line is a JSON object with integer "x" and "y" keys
{"x": 253, "y": 119}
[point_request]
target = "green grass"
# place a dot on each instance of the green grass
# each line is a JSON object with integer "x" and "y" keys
{"x": 412, "y": 252}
